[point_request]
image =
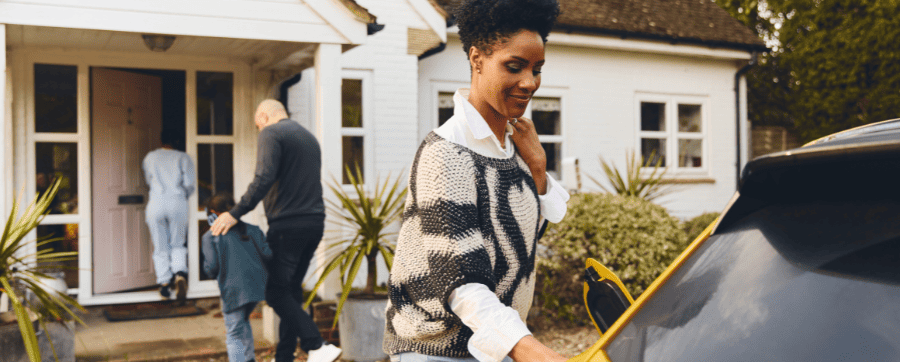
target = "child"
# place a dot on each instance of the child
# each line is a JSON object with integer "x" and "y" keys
{"x": 236, "y": 260}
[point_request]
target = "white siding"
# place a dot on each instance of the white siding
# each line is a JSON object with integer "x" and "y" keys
{"x": 599, "y": 89}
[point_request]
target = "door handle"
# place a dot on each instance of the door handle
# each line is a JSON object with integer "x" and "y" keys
{"x": 131, "y": 199}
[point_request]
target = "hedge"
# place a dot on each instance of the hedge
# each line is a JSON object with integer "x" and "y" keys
{"x": 636, "y": 239}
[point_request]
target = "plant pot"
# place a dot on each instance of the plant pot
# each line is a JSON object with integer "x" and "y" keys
{"x": 12, "y": 348}
{"x": 362, "y": 327}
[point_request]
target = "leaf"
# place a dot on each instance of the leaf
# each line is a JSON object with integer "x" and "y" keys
{"x": 25, "y": 327}
{"x": 347, "y": 286}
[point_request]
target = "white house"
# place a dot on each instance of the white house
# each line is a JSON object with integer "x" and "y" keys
{"x": 653, "y": 76}
{"x": 87, "y": 86}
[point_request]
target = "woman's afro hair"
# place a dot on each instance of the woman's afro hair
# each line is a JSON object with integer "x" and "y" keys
{"x": 482, "y": 23}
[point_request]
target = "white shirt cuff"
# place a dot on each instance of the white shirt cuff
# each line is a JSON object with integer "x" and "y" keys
{"x": 497, "y": 328}
{"x": 553, "y": 203}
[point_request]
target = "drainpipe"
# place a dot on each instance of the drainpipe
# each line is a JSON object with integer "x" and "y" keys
{"x": 737, "y": 116}
{"x": 283, "y": 90}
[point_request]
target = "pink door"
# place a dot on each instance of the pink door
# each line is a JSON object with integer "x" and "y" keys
{"x": 126, "y": 125}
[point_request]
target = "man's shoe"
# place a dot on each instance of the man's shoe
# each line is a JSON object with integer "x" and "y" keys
{"x": 326, "y": 353}
{"x": 180, "y": 286}
{"x": 164, "y": 291}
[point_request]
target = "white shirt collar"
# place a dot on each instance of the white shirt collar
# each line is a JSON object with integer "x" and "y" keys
{"x": 476, "y": 123}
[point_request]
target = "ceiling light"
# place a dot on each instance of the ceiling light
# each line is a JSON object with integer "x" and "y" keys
{"x": 158, "y": 43}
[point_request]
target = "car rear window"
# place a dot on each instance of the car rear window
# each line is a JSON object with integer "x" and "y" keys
{"x": 799, "y": 282}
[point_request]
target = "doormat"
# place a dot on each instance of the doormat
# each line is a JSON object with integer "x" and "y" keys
{"x": 150, "y": 311}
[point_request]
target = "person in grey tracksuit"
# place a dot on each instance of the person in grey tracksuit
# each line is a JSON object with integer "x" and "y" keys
{"x": 237, "y": 260}
{"x": 171, "y": 177}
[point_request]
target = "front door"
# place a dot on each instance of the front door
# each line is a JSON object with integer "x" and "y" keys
{"x": 126, "y": 124}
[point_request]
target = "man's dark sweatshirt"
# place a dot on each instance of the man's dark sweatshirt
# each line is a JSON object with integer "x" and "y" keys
{"x": 288, "y": 175}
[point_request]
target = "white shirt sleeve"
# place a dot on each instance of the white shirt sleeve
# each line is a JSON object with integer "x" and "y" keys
{"x": 497, "y": 328}
{"x": 553, "y": 203}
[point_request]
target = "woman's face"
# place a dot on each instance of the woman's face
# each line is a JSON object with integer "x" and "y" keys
{"x": 511, "y": 74}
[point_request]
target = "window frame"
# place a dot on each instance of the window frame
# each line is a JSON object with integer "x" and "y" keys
{"x": 560, "y": 138}
{"x": 366, "y": 131}
{"x": 672, "y": 135}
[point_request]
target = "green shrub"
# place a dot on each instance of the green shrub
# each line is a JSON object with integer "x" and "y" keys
{"x": 632, "y": 237}
{"x": 695, "y": 226}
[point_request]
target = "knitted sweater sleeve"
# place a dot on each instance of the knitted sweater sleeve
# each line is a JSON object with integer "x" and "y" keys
{"x": 440, "y": 246}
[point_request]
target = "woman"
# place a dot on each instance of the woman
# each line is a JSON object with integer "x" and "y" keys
{"x": 463, "y": 276}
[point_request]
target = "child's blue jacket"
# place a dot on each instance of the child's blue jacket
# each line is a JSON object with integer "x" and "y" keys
{"x": 238, "y": 264}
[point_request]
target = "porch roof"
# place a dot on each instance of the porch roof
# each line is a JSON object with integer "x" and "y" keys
{"x": 260, "y": 53}
{"x": 307, "y": 21}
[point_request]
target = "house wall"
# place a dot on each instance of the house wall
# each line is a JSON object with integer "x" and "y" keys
{"x": 599, "y": 90}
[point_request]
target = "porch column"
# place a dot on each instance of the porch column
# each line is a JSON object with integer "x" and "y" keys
{"x": 327, "y": 125}
{"x": 6, "y": 129}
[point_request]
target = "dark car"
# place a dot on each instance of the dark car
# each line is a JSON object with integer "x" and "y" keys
{"x": 803, "y": 265}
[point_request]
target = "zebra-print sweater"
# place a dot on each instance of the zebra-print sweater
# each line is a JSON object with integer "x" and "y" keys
{"x": 468, "y": 219}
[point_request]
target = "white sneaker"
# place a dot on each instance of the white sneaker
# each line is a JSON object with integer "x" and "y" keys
{"x": 326, "y": 353}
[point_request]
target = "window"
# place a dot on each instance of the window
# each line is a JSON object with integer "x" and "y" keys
{"x": 215, "y": 103}
{"x": 55, "y": 98}
{"x": 55, "y": 138}
{"x": 445, "y": 107}
{"x": 212, "y": 140}
{"x": 215, "y": 171}
{"x": 672, "y": 127}
{"x": 546, "y": 114}
{"x": 353, "y": 122}
{"x": 215, "y": 135}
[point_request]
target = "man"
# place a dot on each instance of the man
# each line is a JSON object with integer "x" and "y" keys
{"x": 170, "y": 174}
{"x": 288, "y": 175}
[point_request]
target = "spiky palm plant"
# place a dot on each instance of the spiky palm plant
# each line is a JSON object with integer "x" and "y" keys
{"x": 648, "y": 186}
{"x": 21, "y": 270}
{"x": 370, "y": 215}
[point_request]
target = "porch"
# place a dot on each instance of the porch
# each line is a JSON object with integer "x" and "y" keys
{"x": 84, "y": 98}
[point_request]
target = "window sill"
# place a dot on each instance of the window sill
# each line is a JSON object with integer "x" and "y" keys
{"x": 687, "y": 181}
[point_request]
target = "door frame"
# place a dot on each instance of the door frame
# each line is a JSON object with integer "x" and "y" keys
{"x": 244, "y": 138}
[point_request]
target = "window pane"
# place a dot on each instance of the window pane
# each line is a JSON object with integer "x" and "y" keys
{"x": 204, "y": 227}
{"x": 55, "y": 98}
{"x": 58, "y": 161}
{"x": 554, "y": 161}
{"x": 215, "y": 171}
{"x": 546, "y": 116}
{"x": 653, "y": 152}
{"x": 653, "y": 116}
{"x": 351, "y": 103}
{"x": 353, "y": 157}
{"x": 67, "y": 236}
{"x": 215, "y": 103}
{"x": 689, "y": 118}
{"x": 690, "y": 153}
{"x": 445, "y": 107}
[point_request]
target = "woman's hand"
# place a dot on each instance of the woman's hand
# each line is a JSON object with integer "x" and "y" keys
{"x": 526, "y": 139}
{"x": 530, "y": 349}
